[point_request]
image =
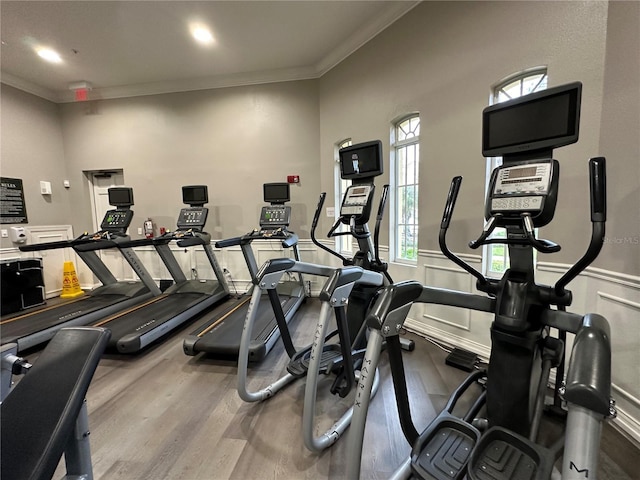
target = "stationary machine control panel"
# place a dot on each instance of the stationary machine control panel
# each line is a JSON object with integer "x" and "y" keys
{"x": 275, "y": 216}
{"x": 192, "y": 218}
{"x": 116, "y": 221}
{"x": 529, "y": 187}
{"x": 355, "y": 201}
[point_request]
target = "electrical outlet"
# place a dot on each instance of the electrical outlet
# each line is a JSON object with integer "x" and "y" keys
{"x": 139, "y": 230}
{"x": 5, "y": 233}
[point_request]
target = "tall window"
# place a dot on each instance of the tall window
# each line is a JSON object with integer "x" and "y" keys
{"x": 497, "y": 256}
{"x": 405, "y": 142}
{"x": 343, "y": 243}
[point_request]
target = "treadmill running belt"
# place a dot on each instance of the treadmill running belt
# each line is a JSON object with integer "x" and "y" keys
{"x": 141, "y": 320}
{"x": 22, "y": 325}
{"x": 224, "y": 339}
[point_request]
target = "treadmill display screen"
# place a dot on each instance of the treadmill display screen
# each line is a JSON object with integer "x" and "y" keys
{"x": 195, "y": 195}
{"x": 276, "y": 192}
{"x": 120, "y": 196}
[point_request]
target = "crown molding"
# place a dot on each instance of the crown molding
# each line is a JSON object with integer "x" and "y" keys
{"x": 206, "y": 83}
{"x": 353, "y": 43}
{"x": 360, "y": 37}
{"x": 29, "y": 87}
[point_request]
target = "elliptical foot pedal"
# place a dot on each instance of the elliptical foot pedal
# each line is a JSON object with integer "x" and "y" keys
{"x": 462, "y": 359}
{"x": 444, "y": 449}
{"x": 504, "y": 455}
{"x": 299, "y": 364}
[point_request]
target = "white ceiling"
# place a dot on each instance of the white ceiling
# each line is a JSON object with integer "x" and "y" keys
{"x": 128, "y": 48}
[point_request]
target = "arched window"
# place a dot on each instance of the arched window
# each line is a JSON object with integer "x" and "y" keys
{"x": 496, "y": 257}
{"x": 405, "y": 144}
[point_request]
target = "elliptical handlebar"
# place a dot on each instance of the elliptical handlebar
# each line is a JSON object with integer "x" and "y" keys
{"x": 376, "y": 232}
{"x": 597, "y": 184}
{"x": 353, "y": 231}
{"x": 316, "y": 216}
{"x": 598, "y": 189}
{"x": 314, "y": 225}
{"x": 452, "y": 196}
{"x": 598, "y": 196}
{"x": 540, "y": 244}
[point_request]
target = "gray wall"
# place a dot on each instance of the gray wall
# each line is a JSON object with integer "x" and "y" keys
{"x": 441, "y": 60}
{"x": 232, "y": 139}
{"x": 32, "y": 150}
{"x": 620, "y": 138}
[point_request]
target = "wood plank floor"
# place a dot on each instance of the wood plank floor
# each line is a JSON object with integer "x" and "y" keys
{"x": 163, "y": 415}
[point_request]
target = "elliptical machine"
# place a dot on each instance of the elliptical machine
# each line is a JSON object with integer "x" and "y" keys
{"x": 347, "y": 294}
{"x": 521, "y": 197}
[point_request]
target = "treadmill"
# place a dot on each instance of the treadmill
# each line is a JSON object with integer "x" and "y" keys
{"x": 39, "y": 326}
{"x": 134, "y": 329}
{"x": 220, "y": 333}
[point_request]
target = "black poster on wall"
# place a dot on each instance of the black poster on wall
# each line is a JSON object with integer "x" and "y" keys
{"x": 12, "y": 206}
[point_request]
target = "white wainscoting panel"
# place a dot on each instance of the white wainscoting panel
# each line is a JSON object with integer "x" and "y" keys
{"x": 464, "y": 328}
{"x": 610, "y": 294}
{"x": 623, "y": 315}
{"x": 52, "y": 260}
{"x": 201, "y": 266}
{"x": 152, "y": 262}
{"x": 615, "y": 296}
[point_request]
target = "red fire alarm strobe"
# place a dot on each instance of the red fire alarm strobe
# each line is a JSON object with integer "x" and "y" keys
{"x": 293, "y": 178}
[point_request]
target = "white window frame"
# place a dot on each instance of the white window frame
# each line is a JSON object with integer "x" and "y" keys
{"x": 396, "y": 185}
{"x": 499, "y": 93}
{"x": 344, "y": 244}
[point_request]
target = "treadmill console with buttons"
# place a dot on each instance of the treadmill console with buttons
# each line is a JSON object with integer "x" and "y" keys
{"x": 194, "y": 217}
{"x": 116, "y": 222}
{"x": 275, "y": 216}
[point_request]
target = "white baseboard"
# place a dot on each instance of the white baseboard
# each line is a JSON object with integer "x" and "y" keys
{"x": 625, "y": 423}
{"x": 447, "y": 338}
{"x": 628, "y": 427}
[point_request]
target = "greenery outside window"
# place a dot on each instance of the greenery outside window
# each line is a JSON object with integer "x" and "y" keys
{"x": 405, "y": 142}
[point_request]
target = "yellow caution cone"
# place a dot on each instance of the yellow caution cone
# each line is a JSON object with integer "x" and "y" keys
{"x": 70, "y": 284}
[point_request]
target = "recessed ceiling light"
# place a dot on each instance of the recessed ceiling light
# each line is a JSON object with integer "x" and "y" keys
{"x": 49, "y": 55}
{"x": 202, "y": 34}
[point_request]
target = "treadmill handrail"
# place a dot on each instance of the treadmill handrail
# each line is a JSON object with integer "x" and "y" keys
{"x": 193, "y": 241}
{"x": 229, "y": 242}
{"x": 101, "y": 244}
{"x": 293, "y": 266}
{"x": 287, "y": 240}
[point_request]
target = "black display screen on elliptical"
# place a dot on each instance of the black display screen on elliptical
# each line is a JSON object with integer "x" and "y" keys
{"x": 539, "y": 121}
{"x": 363, "y": 160}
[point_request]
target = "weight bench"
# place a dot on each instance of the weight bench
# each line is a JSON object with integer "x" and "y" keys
{"x": 45, "y": 415}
